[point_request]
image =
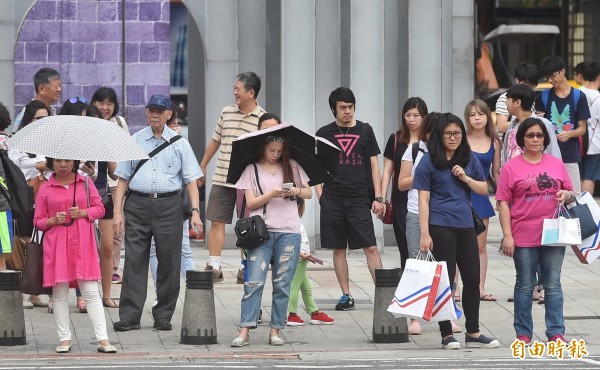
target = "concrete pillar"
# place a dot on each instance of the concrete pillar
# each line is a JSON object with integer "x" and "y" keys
{"x": 425, "y": 74}
{"x": 11, "y": 14}
{"x": 298, "y": 73}
{"x": 252, "y": 21}
{"x": 444, "y": 77}
{"x": 327, "y": 75}
{"x": 463, "y": 60}
{"x": 395, "y": 78}
{"x": 367, "y": 73}
{"x": 217, "y": 21}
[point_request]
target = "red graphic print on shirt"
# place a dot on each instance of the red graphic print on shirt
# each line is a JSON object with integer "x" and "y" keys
{"x": 347, "y": 143}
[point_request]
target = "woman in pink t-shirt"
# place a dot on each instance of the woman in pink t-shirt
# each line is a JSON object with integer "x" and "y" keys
{"x": 263, "y": 185}
{"x": 529, "y": 188}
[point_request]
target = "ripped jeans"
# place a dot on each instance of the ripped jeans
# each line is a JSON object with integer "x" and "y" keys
{"x": 285, "y": 249}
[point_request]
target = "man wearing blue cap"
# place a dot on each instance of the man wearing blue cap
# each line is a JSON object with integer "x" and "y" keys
{"x": 154, "y": 208}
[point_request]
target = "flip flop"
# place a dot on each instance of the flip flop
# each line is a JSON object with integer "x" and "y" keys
{"x": 487, "y": 297}
{"x": 456, "y": 298}
{"x": 110, "y": 303}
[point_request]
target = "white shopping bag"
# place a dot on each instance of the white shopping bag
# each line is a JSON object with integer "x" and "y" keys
{"x": 589, "y": 250}
{"x": 561, "y": 231}
{"x": 444, "y": 307}
{"x": 416, "y": 292}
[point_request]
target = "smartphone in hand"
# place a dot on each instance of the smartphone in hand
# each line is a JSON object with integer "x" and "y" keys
{"x": 288, "y": 186}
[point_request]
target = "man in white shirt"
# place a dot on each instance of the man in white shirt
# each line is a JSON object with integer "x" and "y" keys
{"x": 525, "y": 73}
{"x": 591, "y": 162}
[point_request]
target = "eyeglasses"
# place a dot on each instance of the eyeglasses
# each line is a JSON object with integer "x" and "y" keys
{"x": 552, "y": 76}
{"x": 38, "y": 117}
{"x": 538, "y": 135}
{"x": 76, "y": 99}
{"x": 449, "y": 134}
{"x": 278, "y": 139}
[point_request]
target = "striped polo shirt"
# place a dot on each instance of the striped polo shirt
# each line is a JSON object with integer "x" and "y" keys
{"x": 232, "y": 124}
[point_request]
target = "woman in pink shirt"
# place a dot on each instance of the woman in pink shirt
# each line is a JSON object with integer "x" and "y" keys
{"x": 262, "y": 183}
{"x": 529, "y": 188}
{"x": 70, "y": 250}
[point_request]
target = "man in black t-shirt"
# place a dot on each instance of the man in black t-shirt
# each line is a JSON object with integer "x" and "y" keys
{"x": 347, "y": 202}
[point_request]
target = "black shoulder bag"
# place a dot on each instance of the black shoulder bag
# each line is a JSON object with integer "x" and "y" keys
{"x": 252, "y": 232}
{"x": 477, "y": 221}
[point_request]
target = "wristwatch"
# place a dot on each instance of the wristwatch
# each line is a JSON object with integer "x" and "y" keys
{"x": 195, "y": 209}
{"x": 379, "y": 199}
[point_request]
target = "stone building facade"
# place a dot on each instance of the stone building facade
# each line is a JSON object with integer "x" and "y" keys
{"x": 385, "y": 50}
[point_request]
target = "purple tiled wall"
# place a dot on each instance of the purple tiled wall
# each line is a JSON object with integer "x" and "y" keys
{"x": 82, "y": 40}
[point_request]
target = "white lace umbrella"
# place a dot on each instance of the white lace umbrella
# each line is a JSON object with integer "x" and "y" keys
{"x": 77, "y": 138}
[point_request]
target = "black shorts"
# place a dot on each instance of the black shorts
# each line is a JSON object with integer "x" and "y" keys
{"x": 346, "y": 223}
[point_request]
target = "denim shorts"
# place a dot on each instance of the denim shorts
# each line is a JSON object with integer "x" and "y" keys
{"x": 591, "y": 167}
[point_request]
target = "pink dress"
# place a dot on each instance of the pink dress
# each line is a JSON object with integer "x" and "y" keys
{"x": 70, "y": 252}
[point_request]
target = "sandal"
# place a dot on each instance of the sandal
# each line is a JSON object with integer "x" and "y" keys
{"x": 487, "y": 297}
{"x": 81, "y": 305}
{"x": 112, "y": 304}
{"x": 37, "y": 302}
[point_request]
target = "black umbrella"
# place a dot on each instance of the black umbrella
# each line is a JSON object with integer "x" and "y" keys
{"x": 317, "y": 156}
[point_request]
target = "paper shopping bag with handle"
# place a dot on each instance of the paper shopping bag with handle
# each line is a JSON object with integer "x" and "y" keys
{"x": 561, "y": 230}
{"x": 416, "y": 289}
{"x": 444, "y": 307}
{"x": 589, "y": 250}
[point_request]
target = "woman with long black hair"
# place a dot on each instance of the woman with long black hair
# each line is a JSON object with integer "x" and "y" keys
{"x": 445, "y": 178}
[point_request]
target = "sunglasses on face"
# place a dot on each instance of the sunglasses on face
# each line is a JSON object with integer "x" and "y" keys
{"x": 77, "y": 99}
{"x": 531, "y": 135}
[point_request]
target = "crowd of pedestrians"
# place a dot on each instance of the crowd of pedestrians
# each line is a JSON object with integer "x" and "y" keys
{"x": 437, "y": 169}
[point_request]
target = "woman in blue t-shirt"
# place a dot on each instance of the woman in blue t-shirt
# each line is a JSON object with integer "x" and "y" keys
{"x": 445, "y": 178}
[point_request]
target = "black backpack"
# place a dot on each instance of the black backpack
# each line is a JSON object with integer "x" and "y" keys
{"x": 19, "y": 195}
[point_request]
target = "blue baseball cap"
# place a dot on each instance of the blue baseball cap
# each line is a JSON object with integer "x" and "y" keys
{"x": 159, "y": 102}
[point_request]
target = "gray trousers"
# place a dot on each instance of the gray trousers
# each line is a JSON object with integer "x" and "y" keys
{"x": 145, "y": 218}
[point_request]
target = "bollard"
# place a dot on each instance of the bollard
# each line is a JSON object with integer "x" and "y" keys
{"x": 199, "y": 323}
{"x": 386, "y": 328}
{"x": 12, "y": 317}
